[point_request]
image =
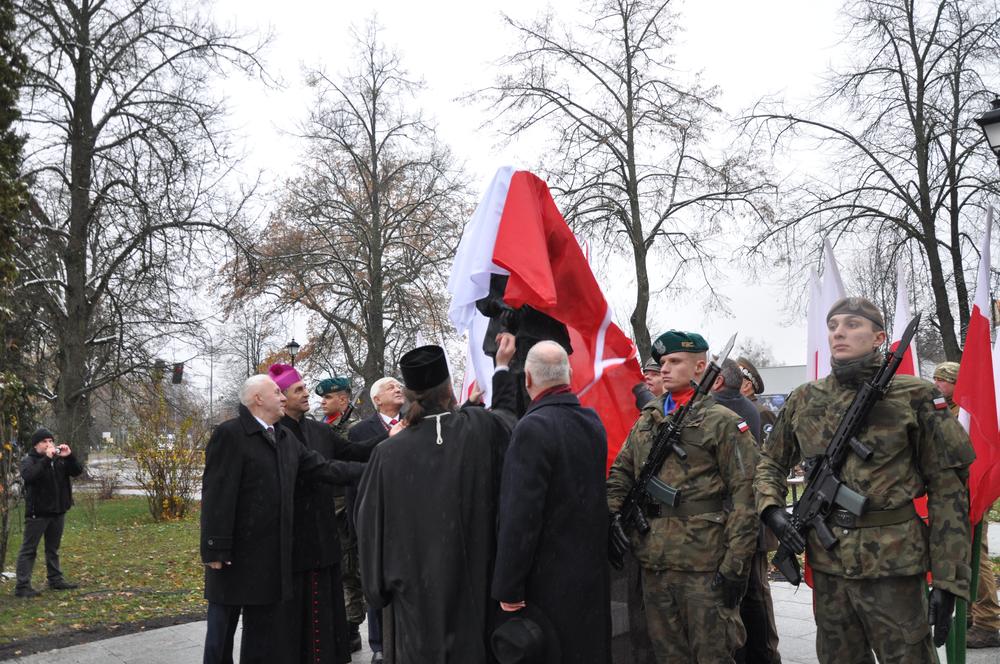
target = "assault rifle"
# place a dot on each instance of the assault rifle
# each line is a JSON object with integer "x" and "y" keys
{"x": 648, "y": 487}
{"x": 824, "y": 491}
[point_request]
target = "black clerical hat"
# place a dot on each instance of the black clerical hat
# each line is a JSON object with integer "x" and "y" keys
{"x": 424, "y": 367}
{"x": 525, "y": 637}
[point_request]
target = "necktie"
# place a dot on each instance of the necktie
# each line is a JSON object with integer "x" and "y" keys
{"x": 269, "y": 434}
{"x": 393, "y": 422}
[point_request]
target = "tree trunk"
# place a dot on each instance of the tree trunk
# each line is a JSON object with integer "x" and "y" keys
{"x": 72, "y": 405}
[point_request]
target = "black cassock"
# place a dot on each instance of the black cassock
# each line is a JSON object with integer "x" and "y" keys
{"x": 426, "y": 527}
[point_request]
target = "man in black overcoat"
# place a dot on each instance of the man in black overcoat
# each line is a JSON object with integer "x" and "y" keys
{"x": 387, "y": 397}
{"x": 553, "y": 524}
{"x": 251, "y": 465}
{"x": 314, "y": 621}
{"x": 427, "y": 507}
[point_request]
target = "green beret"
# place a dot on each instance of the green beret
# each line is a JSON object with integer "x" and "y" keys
{"x": 335, "y": 384}
{"x": 676, "y": 341}
{"x": 857, "y": 306}
{"x": 946, "y": 371}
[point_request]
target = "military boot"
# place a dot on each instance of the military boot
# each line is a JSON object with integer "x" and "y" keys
{"x": 979, "y": 637}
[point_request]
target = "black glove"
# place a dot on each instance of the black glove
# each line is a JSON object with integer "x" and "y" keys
{"x": 618, "y": 543}
{"x": 732, "y": 589}
{"x": 942, "y": 605}
{"x": 776, "y": 518}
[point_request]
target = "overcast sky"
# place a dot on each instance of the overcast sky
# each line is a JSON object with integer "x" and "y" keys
{"x": 748, "y": 49}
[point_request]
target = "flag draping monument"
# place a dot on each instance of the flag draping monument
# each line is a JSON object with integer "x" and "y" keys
{"x": 518, "y": 232}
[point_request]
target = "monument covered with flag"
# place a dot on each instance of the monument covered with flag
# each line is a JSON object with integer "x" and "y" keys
{"x": 518, "y": 232}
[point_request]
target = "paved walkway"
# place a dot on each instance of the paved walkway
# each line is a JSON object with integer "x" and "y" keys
{"x": 182, "y": 644}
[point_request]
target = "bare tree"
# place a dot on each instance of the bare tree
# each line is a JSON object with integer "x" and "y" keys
{"x": 632, "y": 165}
{"x": 907, "y": 167}
{"x": 364, "y": 233}
{"x": 758, "y": 351}
{"x": 127, "y": 160}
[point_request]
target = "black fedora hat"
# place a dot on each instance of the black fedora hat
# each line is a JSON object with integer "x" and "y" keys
{"x": 524, "y": 637}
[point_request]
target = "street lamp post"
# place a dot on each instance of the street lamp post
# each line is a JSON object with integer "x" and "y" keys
{"x": 293, "y": 348}
{"x": 990, "y": 122}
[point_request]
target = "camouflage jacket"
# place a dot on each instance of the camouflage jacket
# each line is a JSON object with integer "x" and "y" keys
{"x": 720, "y": 464}
{"x": 342, "y": 425}
{"x": 918, "y": 448}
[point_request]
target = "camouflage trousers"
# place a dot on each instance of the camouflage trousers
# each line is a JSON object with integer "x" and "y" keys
{"x": 354, "y": 597}
{"x": 855, "y": 617}
{"x": 687, "y": 620}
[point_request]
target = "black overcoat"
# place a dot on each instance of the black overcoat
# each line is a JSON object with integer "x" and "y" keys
{"x": 553, "y": 530}
{"x": 316, "y": 539}
{"x": 246, "y": 508}
{"x": 427, "y": 531}
{"x": 366, "y": 428}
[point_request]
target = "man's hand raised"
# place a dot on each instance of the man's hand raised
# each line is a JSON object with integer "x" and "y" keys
{"x": 506, "y": 346}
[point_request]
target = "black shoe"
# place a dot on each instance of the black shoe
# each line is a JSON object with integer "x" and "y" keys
{"x": 62, "y": 584}
{"x": 27, "y": 593}
{"x": 377, "y": 657}
{"x": 355, "y": 636}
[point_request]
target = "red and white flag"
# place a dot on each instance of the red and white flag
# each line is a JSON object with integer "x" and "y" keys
{"x": 518, "y": 231}
{"x": 822, "y": 295}
{"x": 975, "y": 393}
{"x": 909, "y": 365}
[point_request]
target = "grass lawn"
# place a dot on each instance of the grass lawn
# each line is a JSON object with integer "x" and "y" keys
{"x": 130, "y": 569}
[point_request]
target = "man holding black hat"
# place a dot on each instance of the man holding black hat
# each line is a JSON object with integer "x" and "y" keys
{"x": 46, "y": 470}
{"x": 552, "y": 541}
{"x": 427, "y": 509}
{"x": 870, "y": 588}
{"x": 695, "y": 559}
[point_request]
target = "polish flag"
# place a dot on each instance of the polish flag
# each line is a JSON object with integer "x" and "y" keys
{"x": 975, "y": 393}
{"x": 822, "y": 295}
{"x": 909, "y": 365}
{"x": 517, "y": 230}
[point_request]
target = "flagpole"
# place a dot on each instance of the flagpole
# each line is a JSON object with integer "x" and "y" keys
{"x": 961, "y": 606}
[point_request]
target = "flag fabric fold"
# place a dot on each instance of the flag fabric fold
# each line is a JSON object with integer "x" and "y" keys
{"x": 975, "y": 393}
{"x": 549, "y": 272}
{"x": 822, "y": 295}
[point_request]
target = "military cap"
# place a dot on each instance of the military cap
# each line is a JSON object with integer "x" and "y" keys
{"x": 946, "y": 371}
{"x": 857, "y": 306}
{"x": 675, "y": 341}
{"x": 651, "y": 365}
{"x": 424, "y": 367}
{"x": 335, "y": 384}
{"x": 750, "y": 372}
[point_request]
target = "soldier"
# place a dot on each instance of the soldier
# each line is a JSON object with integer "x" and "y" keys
{"x": 753, "y": 385}
{"x": 695, "y": 560}
{"x": 651, "y": 375}
{"x": 985, "y": 614}
{"x": 335, "y": 394}
{"x": 869, "y": 588}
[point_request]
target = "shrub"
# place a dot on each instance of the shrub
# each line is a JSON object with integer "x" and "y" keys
{"x": 167, "y": 450}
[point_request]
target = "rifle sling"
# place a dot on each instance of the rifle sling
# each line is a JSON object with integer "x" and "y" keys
{"x": 844, "y": 519}
{"x": 692, "y": 508}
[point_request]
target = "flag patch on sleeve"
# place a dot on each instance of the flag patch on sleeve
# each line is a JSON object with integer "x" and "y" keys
{"x": 743, "y": 426}
{"x": 940, "y": 403}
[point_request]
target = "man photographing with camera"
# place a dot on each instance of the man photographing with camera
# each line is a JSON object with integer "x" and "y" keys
{"x": 46, "y": 470}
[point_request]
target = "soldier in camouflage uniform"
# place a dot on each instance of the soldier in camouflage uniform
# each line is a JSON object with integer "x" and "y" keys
{"x": 695, "y": 560}
{"x": 753, "y": 385}
{"x": 335, "y": 403}
{"x": 870, "y": 587}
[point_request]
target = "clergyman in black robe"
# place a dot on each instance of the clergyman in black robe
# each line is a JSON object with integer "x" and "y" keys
{"x": 426, "y": 521}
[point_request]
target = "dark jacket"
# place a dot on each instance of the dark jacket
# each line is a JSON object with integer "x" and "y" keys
{"x": 47, "y": 490}
{"x": 553, "y": 525}
{"x": 366, "y": 428}
{"x": 316, "y": 542}
{"x": 731, "y": 398}
{"x": 246, "y": 508}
